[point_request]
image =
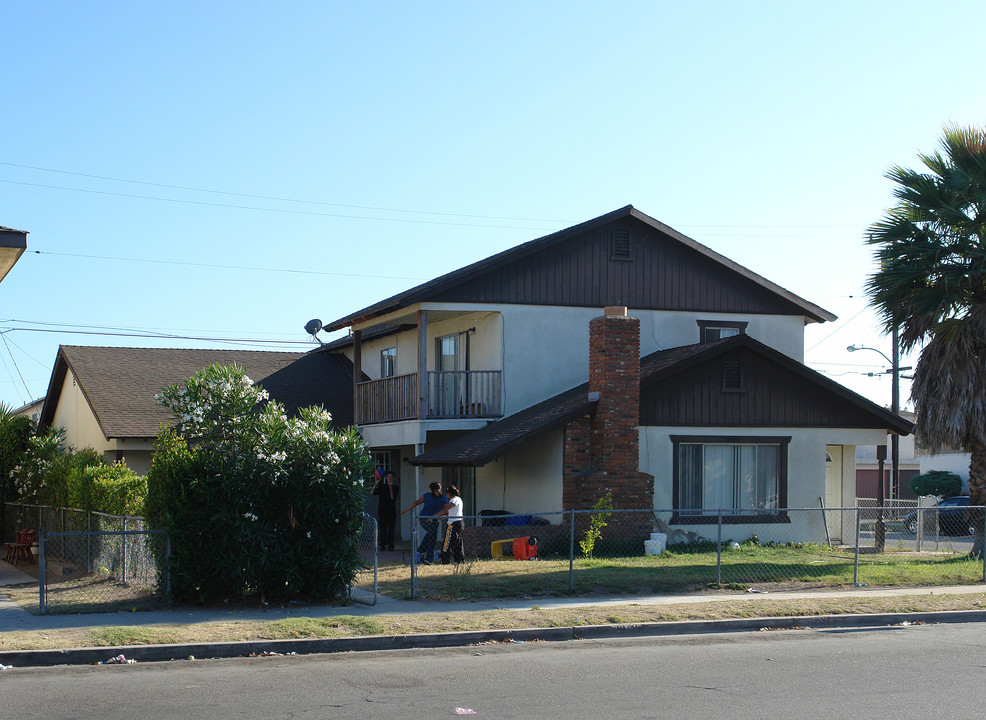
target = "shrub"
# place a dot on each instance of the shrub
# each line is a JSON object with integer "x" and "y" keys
{"x": 16, "y": 432}
{"x": 255, "y": 501}
{"x": 936, "y": 482}
{"x": 114, "y": 489}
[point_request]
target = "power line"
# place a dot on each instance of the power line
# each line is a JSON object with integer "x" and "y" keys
{"x": 225, "y": 267}
{"x": 280, "y": 199}
{"x": 375, "y": 208}
{"x": 16, "y": 367}
{"x": 162, "y": 336}
{"x": 273, "y": 210}
{"x": 12, "y": 381}
{"x": 126, "y": 328}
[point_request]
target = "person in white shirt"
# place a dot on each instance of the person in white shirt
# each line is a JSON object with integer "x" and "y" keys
{"x": 453, "y": 549}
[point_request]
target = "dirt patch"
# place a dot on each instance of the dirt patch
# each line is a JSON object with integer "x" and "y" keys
{"x": 534, "y": 617}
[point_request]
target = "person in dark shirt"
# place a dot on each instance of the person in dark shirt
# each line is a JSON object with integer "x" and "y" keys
{"x": 432, "y": 502}
{"x": 387, "y": 489}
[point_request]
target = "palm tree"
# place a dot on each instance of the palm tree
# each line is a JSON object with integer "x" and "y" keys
{"x": 931, "y": 286}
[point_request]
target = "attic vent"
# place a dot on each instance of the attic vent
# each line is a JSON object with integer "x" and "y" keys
{"x": 621, "y": 245}
{"x": 732, "y": 376}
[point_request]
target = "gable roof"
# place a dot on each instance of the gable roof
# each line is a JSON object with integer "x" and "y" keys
{"x": 481, "y": 279}
{"x": 120, "y": 383}
{"x": 658, "y": 369}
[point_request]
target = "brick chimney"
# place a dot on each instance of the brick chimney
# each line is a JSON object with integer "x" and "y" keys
{"x": 614, "y": 373}
{"x": 601, "y": 452}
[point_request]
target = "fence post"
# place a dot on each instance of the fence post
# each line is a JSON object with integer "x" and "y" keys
{"x": 123, "y": 560}
{"x": 167, "y": 567}
{"x": 571, "y": 554}
{"x": 983, "y": 549}
{"x": 855, "y": 562}
{"x": 43, "y": 571}
{"x": 719, "y": 548}
{"x": 414, "y": 555}
{"x": 89, "y": 542}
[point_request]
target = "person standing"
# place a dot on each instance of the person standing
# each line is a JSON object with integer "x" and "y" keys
{"x": 387, "y": 489}
{"x": 432, "y": 502}
{"x": 453, "y": 549}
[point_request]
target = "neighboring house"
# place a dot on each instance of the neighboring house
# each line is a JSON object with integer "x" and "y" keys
{"x": 868, "y": 468}
{"x": 31, "y": 410}
{"x": 13, "y": 243}
{"x": 479, "y": 377}
{"x": 104, "y": 397}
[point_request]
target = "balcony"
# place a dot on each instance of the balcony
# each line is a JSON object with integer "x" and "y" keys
{"x": 449, "y": 395}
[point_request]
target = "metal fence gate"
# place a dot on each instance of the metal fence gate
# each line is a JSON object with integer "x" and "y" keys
{"x": 102, "y": 570}
{"x": 363, "y": 589}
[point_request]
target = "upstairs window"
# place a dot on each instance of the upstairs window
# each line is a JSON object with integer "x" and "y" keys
{"x": 388, "y": 362}
{"x": 710, "y": 330}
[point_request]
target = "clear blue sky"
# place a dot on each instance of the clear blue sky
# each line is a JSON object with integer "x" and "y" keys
{"x": 352, "y": 150}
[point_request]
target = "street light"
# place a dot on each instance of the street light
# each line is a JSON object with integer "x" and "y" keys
{"x": 894, "y": 372}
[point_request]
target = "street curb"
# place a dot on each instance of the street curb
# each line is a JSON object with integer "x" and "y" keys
{"x": 201, "y": 651}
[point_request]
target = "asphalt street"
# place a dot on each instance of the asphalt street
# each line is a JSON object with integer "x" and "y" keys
{"x": 894, "y": 672}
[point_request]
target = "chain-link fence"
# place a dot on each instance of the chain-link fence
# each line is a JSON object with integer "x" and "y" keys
{"x": 98, "y": 570}
{"x": 634, "y": 551}
{"x": 363, "y": 589}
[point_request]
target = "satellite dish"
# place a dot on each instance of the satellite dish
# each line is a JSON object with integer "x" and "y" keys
{"x": 312, "y": 327}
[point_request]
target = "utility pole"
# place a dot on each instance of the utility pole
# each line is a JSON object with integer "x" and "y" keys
{"x": 895, "y": 408}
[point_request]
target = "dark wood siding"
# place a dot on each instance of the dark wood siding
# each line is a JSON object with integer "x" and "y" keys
{"x": 661, "y": 274}
{"x": 771, "y": 396}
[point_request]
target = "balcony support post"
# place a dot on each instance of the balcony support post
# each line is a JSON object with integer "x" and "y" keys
{"x": 422, "y": 364}
{"x": 357, "y": 373}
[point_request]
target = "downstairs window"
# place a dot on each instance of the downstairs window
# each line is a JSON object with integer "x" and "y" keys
{"x": 744, "y": 477}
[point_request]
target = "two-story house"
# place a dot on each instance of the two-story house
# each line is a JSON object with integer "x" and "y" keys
{"x": 693, "y": 398}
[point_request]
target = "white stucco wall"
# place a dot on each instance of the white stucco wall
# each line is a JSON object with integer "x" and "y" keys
{"x": 544, "y": 350}
{"x": 485, "y": 344}
{"x": 74, "y": 415}
{"x": 805, "y": 476}
{"x": 526, "y": 481}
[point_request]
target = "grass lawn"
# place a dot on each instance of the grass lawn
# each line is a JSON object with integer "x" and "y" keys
{"x": 750, "y": 565}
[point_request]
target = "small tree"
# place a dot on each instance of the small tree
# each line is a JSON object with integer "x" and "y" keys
{"x": 597, "y": 521}
{"x": 255, "y": 502}
{"x": 936, "y": 482}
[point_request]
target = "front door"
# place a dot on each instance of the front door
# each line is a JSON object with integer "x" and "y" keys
{"x": 834, "y": 487}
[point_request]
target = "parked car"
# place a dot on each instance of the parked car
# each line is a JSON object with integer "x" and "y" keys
{"x": 951, "y": 514}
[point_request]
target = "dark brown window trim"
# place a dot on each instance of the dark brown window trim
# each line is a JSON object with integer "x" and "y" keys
{"x": 770, "y": 516}
{"x": 703, "y": 324}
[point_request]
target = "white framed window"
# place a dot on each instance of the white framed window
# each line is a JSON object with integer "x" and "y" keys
{"x": 710, "y": 330}
{"x": 744, "y": 477}
{"x": 388, "y": 362}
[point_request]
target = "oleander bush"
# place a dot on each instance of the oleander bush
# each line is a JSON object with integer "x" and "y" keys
{"x": 255, "y": 502}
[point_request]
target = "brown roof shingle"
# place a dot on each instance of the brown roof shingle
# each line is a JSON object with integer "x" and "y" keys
{"x": 120, "y": 384}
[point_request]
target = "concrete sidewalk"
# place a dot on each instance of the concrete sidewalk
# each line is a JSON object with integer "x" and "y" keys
{"x": 15, "y": 618}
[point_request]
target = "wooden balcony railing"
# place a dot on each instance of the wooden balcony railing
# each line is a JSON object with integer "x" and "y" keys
{"x": 387, "y": 400}
{"x": 458, "y": 394}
